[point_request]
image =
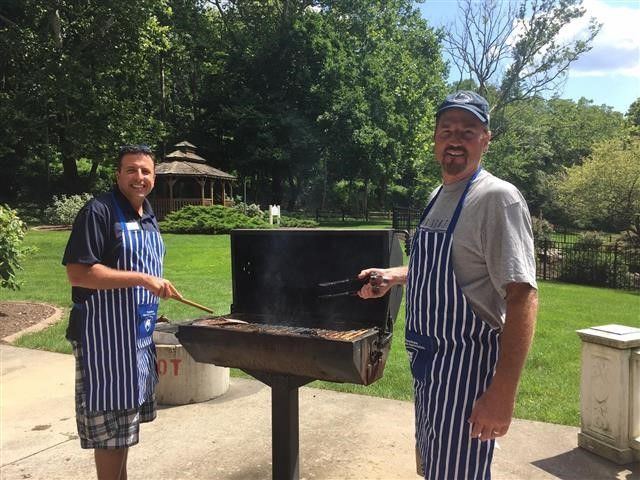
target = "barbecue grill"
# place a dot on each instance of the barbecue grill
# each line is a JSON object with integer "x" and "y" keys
{"x": 283, "y": 328}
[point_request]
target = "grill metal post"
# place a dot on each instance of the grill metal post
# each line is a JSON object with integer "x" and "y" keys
{"x": 285, "y": 427}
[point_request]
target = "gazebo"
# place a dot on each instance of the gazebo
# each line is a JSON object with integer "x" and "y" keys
{"x": 181, "y": 179}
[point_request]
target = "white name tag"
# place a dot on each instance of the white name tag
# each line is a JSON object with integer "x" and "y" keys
{"x": 132, "y": 226}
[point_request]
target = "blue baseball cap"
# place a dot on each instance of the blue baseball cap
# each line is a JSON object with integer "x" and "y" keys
{"x": 469, "y": 101}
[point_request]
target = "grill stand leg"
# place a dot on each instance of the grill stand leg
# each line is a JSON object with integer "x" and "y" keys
{"x": 284, "y": 430}
{"x": 284, "y": 422}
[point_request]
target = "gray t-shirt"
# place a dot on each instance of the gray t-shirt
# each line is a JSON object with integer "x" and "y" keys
{"x": 492, "y": 241}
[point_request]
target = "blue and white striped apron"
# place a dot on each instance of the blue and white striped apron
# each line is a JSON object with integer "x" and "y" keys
{"x": 118, "y": 350}
{"x": 452, "y": 354}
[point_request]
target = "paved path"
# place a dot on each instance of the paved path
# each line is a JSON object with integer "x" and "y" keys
{"x": 342, "y": 436}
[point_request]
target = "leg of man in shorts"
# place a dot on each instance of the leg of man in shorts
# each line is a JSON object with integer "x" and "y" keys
{"x": 110, "y": 433}
{"x": 111, "y": 464}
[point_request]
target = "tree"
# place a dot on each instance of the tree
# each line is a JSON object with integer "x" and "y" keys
{"x": 385, "y": 103}
{"x": 12, "y": 231}
{"x": 512, "y": 50}
{"x": 77, "y": 82}
{"x": 633, "y": 114}
{"x": 541, "y": 138}
{"x": 604, "y": 192}
{"x": 310, "y": 98}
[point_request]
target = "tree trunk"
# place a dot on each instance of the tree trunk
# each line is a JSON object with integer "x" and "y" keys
{"x": 294, "y": 192}
{"x": 365, "y": 202}
{"x": 325, "y": 180}
{"x": 69, "y": 165}
{"x": 276, "y": 188}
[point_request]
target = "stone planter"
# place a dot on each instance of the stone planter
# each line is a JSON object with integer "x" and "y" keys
{"x": 610, "y": 392}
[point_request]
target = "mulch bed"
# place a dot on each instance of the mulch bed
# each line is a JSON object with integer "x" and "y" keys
{"x": 16, "y": 316}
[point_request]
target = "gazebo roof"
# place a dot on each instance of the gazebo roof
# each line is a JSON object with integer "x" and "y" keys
{"x": 185, "y": 162}
{"x": 184, "y": 143}
{"x": 189, "y": 156}
{"x": 191, "y": 169}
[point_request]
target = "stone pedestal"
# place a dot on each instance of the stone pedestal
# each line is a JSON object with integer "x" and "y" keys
{"x": 610, "y": 392}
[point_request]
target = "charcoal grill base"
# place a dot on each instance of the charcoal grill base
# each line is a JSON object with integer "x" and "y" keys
{"x": 359, "y": 359}
{"x": 285, "y": 427}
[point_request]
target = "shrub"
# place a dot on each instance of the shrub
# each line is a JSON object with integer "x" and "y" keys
{"x": 542, "y": 230}
{"x": 30, "y": 213}
{"x": 291, "y": 222}
{"x": 631, "y": 236}
{"x": 250, "y": 210}
{"x": 214, "y": 220}
{"x": 63, "y": 209}
{"x": 588, "y": 241}
{"x": 12, "y": 231}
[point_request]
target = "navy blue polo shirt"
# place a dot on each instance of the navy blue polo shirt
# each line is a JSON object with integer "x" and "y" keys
{"x": 96, "y": 237}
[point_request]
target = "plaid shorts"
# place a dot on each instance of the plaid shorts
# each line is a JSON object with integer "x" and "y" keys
{"x": 110, "y": 428}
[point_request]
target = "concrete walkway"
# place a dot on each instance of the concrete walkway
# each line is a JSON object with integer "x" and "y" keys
{"x": 342, "y": 436}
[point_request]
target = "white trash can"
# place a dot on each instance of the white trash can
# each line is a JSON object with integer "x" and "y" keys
{"x": 182, "y": 380}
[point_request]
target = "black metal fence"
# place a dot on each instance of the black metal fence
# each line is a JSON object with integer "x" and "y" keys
{"x": 612, "y": 265}
{"x": 406, "y": 219}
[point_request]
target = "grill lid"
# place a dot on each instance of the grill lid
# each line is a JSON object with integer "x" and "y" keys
{"x": 277, "y": 273}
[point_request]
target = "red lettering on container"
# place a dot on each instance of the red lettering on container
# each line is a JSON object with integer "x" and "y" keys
{"x": 162, "y": 366}
{"x": 176, "y": 365}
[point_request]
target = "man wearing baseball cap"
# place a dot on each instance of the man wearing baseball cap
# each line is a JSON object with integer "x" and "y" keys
{"x": 471, "y": 299}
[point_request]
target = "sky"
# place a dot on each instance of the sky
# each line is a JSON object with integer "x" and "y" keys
{"x": 609, "y": 74}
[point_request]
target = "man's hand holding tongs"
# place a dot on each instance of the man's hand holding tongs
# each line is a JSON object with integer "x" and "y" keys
{"x": 342, "y": 288}
{"x": 381, "y": 280}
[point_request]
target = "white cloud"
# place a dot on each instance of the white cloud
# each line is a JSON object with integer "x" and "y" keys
{"x": 616, "y": 48}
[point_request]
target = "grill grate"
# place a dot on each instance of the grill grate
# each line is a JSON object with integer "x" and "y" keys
{"x": 233, "y": 324}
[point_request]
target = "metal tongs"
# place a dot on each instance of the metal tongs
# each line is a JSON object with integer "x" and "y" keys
{"x": 344, "y": 288}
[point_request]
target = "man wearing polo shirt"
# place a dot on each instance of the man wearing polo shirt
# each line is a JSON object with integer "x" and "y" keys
{"x": 114, "y": 263}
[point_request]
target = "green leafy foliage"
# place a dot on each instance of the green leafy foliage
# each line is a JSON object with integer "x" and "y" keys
{"x": 631, "y": 236}
{"x": 77, "y": 82}
{"x": 588, "y": 241}
{"x": 604, "y": 191}
{"x": 12, "y": 231}
{"x": 633, "y": 114}
{"x": 324, "y": 104}
{"x": 250, "y": 210}
{"x": 542, "y": 230}
{"x": 543, "y": 137}
{"x": 295, "y": 96}
{"x": 213, "y": 220}
{"x": 292, "y": 222}
{"x": 217, "y": 220}
{"x": 64, "y": 208}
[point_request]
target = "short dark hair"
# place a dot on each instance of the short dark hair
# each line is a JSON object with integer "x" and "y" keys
{"x": 134, "y": 149}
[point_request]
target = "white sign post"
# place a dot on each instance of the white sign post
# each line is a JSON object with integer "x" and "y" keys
{"x": 274, "y": 211}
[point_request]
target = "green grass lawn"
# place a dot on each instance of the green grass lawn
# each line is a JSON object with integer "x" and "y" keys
{"x": 199, "y": 266}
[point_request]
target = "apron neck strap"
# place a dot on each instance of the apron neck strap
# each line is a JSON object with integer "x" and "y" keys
{"x": 456, "y": 213}
{"x": 119, "y": 211}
